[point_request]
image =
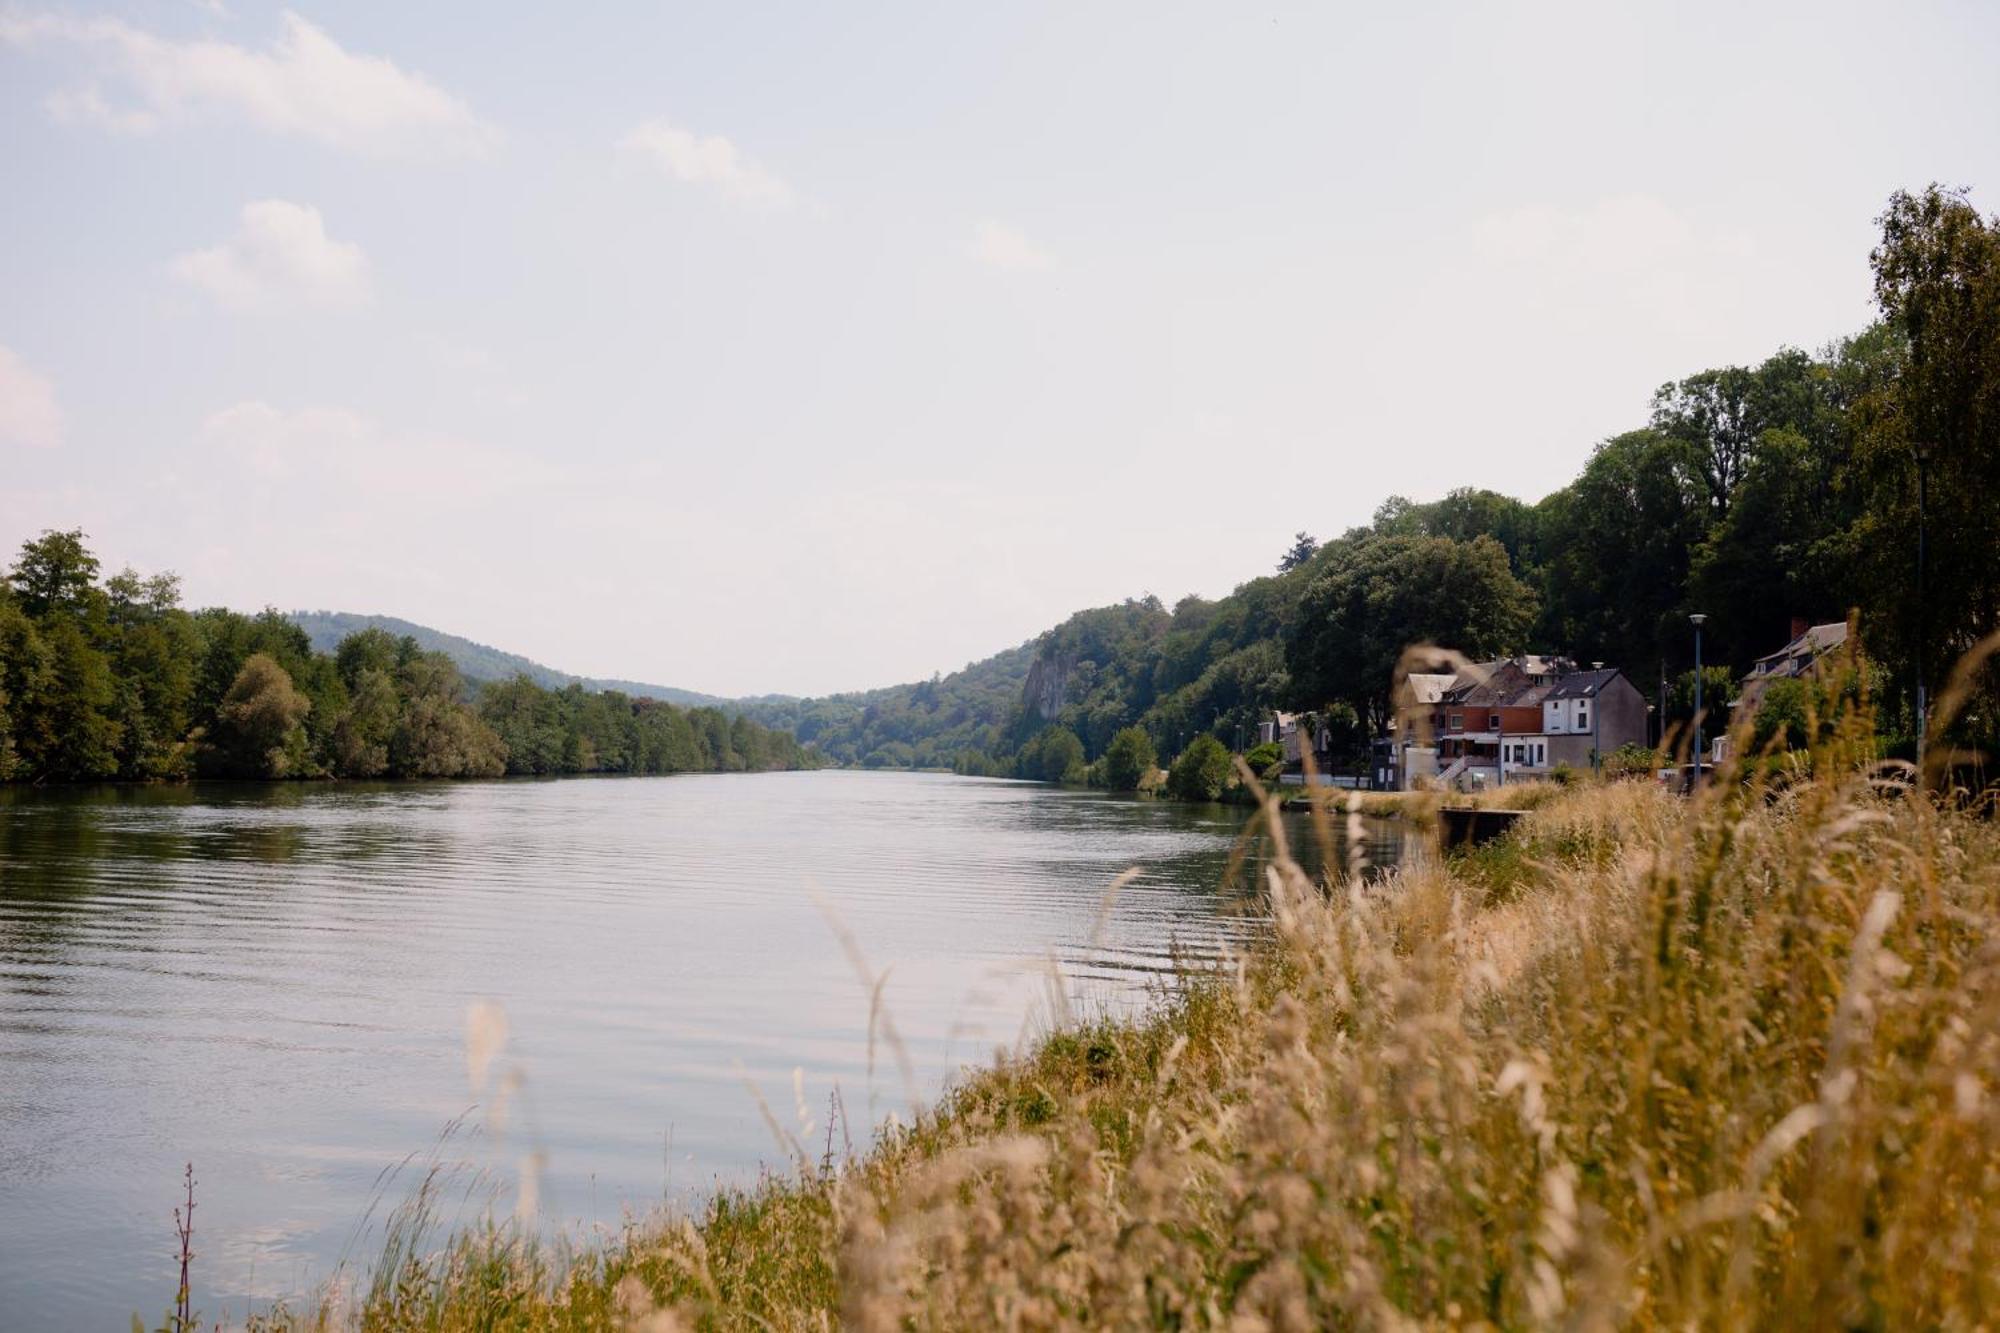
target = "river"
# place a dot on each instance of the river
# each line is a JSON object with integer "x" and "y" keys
{"x": 275, "y": 983}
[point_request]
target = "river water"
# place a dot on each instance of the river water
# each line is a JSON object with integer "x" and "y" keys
{"x": 278, "y": 983}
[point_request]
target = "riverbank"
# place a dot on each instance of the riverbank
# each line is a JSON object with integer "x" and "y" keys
{"x": 1417, "y": 805}
{"x": 1721, "y": 1062}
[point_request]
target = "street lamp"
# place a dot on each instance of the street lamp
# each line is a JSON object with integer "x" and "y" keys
{"x": 1596, "y": 707}
{"x": 1697, "y": 618}
{"x": 1922, "y": 450}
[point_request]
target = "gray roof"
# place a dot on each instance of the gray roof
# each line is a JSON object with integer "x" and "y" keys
{"x": 1803, "y": 651}
{"x": 1583, "y": 684}
{"x": 1427, "y": 687}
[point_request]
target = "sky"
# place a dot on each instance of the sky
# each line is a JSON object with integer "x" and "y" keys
{"x": 807, "y": 348}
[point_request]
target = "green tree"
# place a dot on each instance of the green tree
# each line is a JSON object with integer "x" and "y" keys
{"x": 24, "y": 676}
{"x": 258, "y": 727}
{"x": 1620, "y": 540}
{"x": 1061, "y": 756}
{"x": 361, "y": 737}
{"x": 54, "y": 573}
{"x": 79, "y": 735}
{"x": 1937, "y": 281}
{"x": 1129, "y": 759}
{"x": 437, "y": 735}
{"x": 1301, "y": 550}
{"x": 1201, "y": 772}
{"x": 1381, "y": 595}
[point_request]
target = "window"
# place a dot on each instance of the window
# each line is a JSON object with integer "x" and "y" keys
{"x": 1458, "y": 722}
{"x": 1582, "y": 713}
{"x": 1493, "y": 722}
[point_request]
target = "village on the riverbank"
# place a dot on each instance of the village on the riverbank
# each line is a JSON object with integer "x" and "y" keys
{"x": 1534, "y": 717}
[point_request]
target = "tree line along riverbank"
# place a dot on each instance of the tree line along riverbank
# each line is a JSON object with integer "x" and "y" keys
{"x": 111, "y": 679}
{"x": 1719, "y": 1062}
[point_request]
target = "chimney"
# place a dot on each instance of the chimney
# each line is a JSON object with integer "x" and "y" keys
{"x": 1799, "y": 627}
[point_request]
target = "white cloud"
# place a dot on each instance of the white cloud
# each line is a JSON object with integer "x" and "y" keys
{"x": 303, "y": 84}
{"x": 1001, "y": 245}
{"x": 280, "y": 255}
{"x": 709, "y": 160}
{"x": 28, "y": 411}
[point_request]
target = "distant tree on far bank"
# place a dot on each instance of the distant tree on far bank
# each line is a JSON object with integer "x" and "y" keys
{"x": 1055, "y": 755}
{"x": 1129, "y": 759}
{"x": 258, "y": 729}
{"x": 115, "y": 681}
{"x": 1202, "y": 771}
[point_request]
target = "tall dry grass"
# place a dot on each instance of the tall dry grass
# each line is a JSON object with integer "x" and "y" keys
{"x": 1728, "y": 1062}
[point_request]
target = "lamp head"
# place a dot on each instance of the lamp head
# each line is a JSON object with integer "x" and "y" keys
{"x": 1697, "y": 618}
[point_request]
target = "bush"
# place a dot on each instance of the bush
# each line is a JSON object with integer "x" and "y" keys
{"x": 1631, "y": 761}
{"x": 1128, "y": 759}
{"x": 1202, "y": 771}
{"x": 1266, "y": 760}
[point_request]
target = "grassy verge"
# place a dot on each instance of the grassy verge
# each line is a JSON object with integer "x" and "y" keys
{"x": 1527, "y": 795}
{"x": 1729, "y": 1062}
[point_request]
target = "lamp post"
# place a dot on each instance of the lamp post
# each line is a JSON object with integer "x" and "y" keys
{"x": 1596, "y": 707}
{"x": 1922, "y": 450}
{"x": 1697, "y": 618}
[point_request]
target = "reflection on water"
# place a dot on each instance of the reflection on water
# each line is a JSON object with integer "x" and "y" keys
{"x": 274, "y": 981}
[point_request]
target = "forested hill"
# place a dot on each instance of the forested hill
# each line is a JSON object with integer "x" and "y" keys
{"x": 926, "y": 725}
{"x": 484, "y": 665}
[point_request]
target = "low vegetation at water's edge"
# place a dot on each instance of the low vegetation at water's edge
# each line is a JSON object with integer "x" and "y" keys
{"x": 1725, "y": 1062}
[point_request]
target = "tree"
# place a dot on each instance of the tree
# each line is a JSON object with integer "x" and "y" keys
{"x": 1384, "y": 594}
{"x": 1060, "y": 756}
{"x": 1937, "y": 280}
{"x": 24, "y": 671}
{"x": 436, "y": 734}
{"x": 1129, "y": 759}
{"x": 152, "y": 662}
{"x": 1620, "y": 540}
{"x": 1202, "y": 771}
{"x": 79, "y": 734}
{"x": 1302, "y": 550}
{"x": 55, "y": 573}
{"x": 258, "y": 731}
{"x": 361, "y": 738}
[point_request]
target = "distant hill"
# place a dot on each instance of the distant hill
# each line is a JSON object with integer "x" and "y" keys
{"x": 924, "y": 724}
{"x": 479, "y": 662}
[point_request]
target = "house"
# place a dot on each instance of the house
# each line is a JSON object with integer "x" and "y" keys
{"x": 1480, "y": 719}
{"x": 1510, "y": 719}
{"x": 1591, "y": 713}
{"x": 1400, "y": 756}
{"x": 1809, "y": 646}
{"x": 1299, "y": 734}
{"x": 1804, "y": 655}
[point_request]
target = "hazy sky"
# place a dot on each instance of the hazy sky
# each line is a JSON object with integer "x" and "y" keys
{"x": 819, "y": 347}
